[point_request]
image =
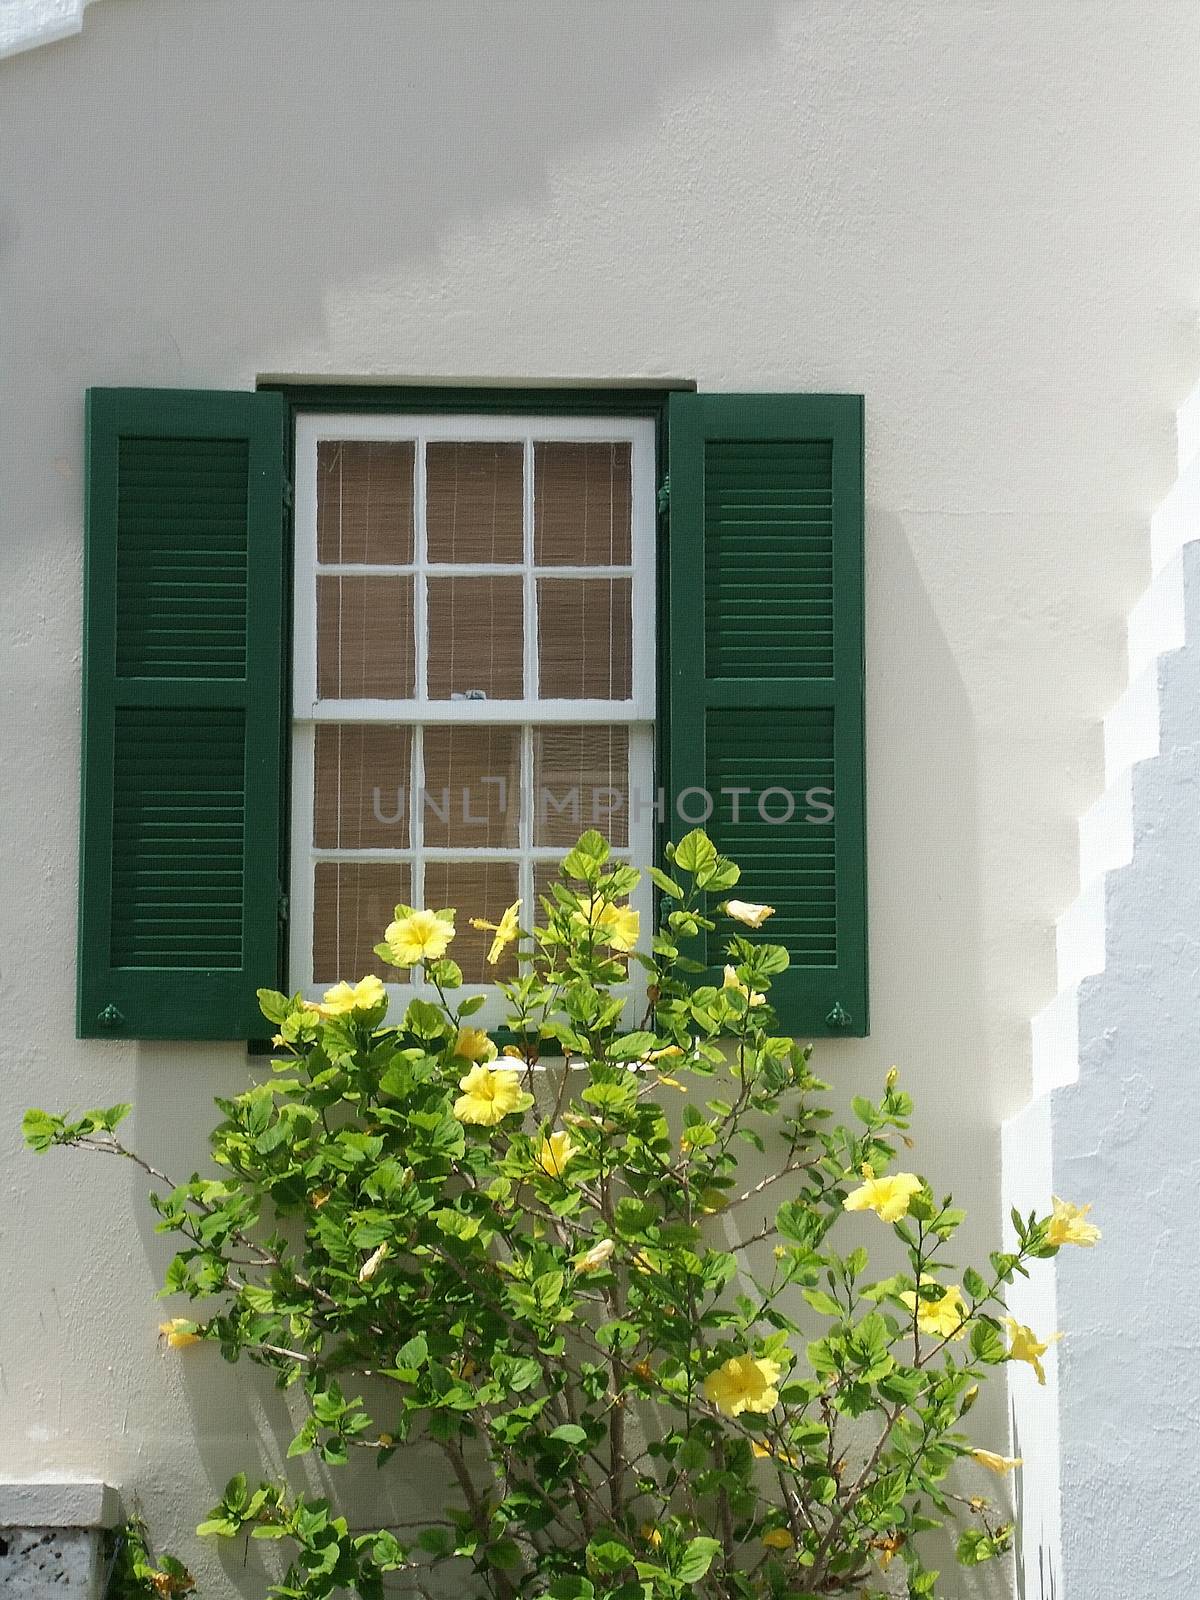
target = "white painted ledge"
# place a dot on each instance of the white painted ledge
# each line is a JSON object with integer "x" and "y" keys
{"x": 58, "y": 1503}
{"x": 25, "y": 24}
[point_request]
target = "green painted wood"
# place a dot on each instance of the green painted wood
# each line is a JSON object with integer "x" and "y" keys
{"x": 765, "y": 689}
{"x": 182, "y": 713}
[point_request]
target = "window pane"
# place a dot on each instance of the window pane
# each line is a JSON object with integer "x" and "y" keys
{"x": 364, "y": 638}
{"x": 476, "y": 639}
{"x": 472, "y": 786}
{"x": 361, "y": 785}
{"x": 580, "y": 780}
{"x": 581, "y": 505}
{"x": 475, "y": 889}
{"x": 474, "y": 497}
{"x": 365, "y": 501}
{"x": 585, "y": 638}
{"x": 352, "y": 906}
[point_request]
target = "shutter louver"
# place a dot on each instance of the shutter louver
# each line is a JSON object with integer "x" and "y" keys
{"x": 183, "y": 713}
{"x": 766, "y": 675}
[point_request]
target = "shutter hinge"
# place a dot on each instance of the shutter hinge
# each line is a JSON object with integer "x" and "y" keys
{"x": 839, "y": 1017}
{"x": 110, "y": 1017}
{"x": 282, "y": 906}
{"x": 664, "y": 496}
{"x": 287, "y": 493}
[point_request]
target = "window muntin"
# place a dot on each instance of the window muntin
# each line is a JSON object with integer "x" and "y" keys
{"x": 474, "y": 632}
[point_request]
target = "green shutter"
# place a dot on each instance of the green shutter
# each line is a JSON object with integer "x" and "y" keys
{"x": 766, "y": 675}
{"x": 182, "y": 713}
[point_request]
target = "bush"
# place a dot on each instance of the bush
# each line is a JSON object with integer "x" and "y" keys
{"x": 514, "y": 1257}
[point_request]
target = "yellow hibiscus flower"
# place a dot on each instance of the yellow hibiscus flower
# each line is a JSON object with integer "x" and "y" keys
{"x": 364, "y": 995}
{"x": 886, "y": 1197}
{"x": 944, "y": 1317}
{"x": 419, "y": 936}
{"x": 506, "y": 930}
{"x": 768, "y": 1452}
{"x": 1067, "y": 1225}
{"x": 592, "y": 1260}
{"x": 373, "y": 1263}
{"x": 743, "y": 1384}
{"x": 732, "y": 981}
{"x": 1024, "y": 1345}
{"x": 747, "y": 912}
{"x": 489, "y": 1095}
{"x": 179, "y": 1333}
{"x": 554, "y": 1152}
{"x": 473, "y": 1044}
{"x": 994, "y": 1463}
{"x": 616, "y": 926}
{"x": 778, "y": 1539}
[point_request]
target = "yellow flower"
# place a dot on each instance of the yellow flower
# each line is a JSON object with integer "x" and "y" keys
{"x": 768, "y": 1452}
{"x": 732, "y": 981}
{"x": 669, "y": 1052}
{"x": 746, "y": 911}
{"x": 386, "y": 1441}
{"x": 616, "y": 926}
{"x": 489, "y": 1095}
{"x": 473, "y": 1044}
{"x": 943, "y": 1317}
{"x": 179, "y": 1333}
{"x": 651, "y": 1534}
{"x": 1067, "y": 1225}
{"x": 888, "y": 1549}
{"x": 592, "y": 1260}
{"x": 168, "y": 1585}
{"x": 994, "y": 1463}
{"x": 643, "y": 1370}
{"x": 778, "y": 1539}
{"x": 554, "y": 1152}
{"x": 344, "y": 997}
{"x": 886, "y": 1197}
{"x": 373, "y": 1263}
{"x": 743, "y": 1384}
{"x": 506, "y": 930}
{"x": 1026, "y": 1346}
{"x": 419, "y": 936}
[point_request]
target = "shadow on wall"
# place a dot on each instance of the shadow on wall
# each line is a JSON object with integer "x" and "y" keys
{"x": 312, "y": 155}
{"x": 1042, "y": 1585}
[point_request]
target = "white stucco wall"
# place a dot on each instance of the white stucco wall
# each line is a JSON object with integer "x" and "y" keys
{"x": 983, "y": 217}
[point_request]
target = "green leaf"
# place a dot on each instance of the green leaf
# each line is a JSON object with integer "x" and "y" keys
{"x": 607, "y": 1554}
{"x": 39, "y": 1128}
{"x": 223, "y": 1527}
{"x": 697, "y": 1558}
{"x": 570, "y": 1433}
{"x": 824, "y": 1303}
{"x": 695, "y": 851}
{"x": 425, "y": 1020}
{"x": 273, "y": 1005}
{"x": 571, "y": 1589}
{"x": 668, "y": 885}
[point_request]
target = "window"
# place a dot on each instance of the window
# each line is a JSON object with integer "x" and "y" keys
{"x": 474, "y": 671}
{"x": 473, "y": 625}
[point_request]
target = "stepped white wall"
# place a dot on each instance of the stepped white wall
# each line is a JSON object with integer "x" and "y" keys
{"x": 1112, "y": 1476}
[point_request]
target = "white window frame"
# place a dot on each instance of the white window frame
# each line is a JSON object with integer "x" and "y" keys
{"x": 636, "y": 713}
